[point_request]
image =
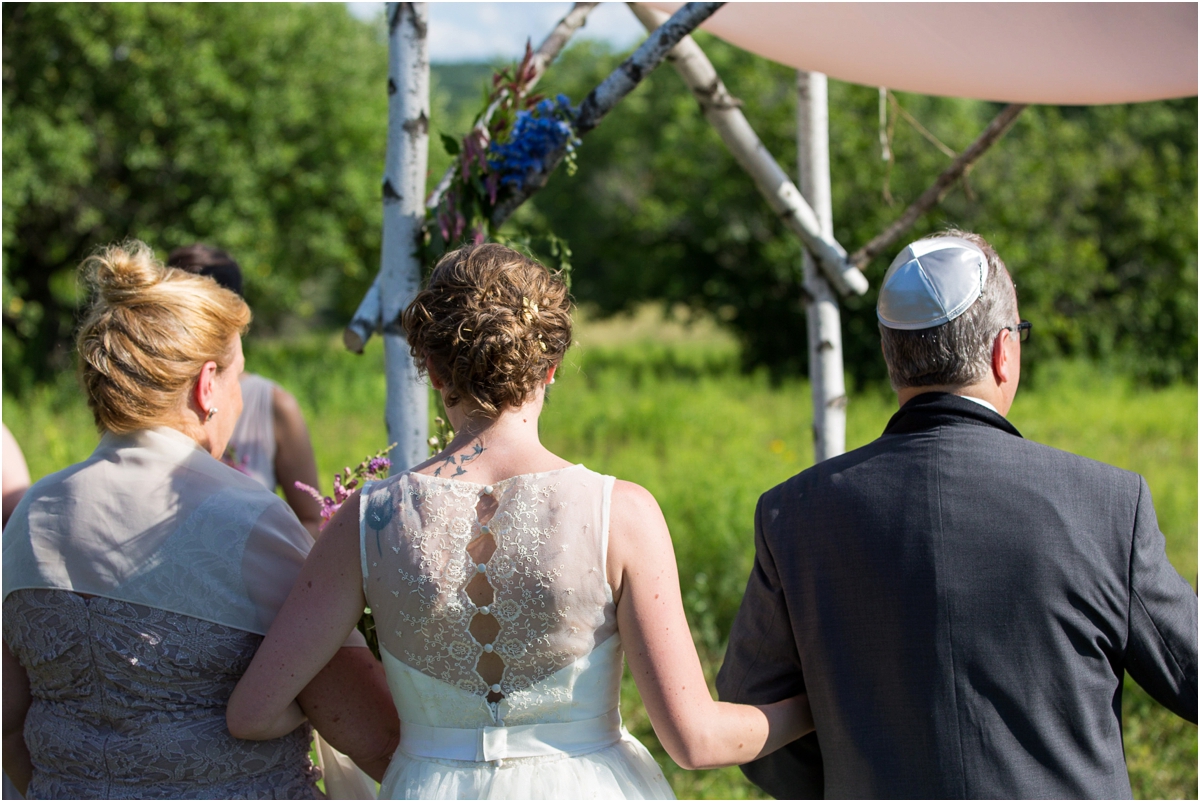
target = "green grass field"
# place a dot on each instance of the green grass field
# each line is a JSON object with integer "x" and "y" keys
{"x": 665, "y": 405}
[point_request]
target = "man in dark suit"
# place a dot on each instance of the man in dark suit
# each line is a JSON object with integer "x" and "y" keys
{"x": 959, "y": 603}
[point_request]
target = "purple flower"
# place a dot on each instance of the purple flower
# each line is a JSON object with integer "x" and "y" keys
{"x": 344, "y": 484}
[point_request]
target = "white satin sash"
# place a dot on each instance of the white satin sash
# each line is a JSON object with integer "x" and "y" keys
{"x": 502, "y": 743}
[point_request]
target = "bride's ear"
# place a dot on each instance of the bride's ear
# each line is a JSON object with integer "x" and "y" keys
{"x": 550, "y": 374}
{"x": 434, "y": 379}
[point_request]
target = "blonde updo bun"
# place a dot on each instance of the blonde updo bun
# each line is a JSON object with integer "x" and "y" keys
{"x": 148, "y": 332}
{"x": 491, "y": 323}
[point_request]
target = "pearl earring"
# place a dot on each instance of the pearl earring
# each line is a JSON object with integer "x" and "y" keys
{"x": 211, "y": 412}
{"x": 552, "y": 380}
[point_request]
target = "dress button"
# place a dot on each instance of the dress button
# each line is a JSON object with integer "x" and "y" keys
{"x": 486, "y": 609}
{"x": 488, "y": 490}
{"x": 484, "y": 528}
{"x": 495, "y": 689}
{"x": 487, "y": 647}
{"x": 481, "y": 568}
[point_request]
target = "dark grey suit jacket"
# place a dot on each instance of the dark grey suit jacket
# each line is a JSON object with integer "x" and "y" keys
{"x": 960, "y": 605}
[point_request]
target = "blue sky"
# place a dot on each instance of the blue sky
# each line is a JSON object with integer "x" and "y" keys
{"x": 484, "y": 31}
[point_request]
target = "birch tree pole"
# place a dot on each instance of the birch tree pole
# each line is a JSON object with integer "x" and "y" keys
{"x": 595, "y": 106}
{"x": 405, "y": 166}
{"x": 821, "y": 308}
{"x": 367, "y": 318}
{"x": 725, "y": 113}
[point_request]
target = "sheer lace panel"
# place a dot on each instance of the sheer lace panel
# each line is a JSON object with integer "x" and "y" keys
{"x": 129, "y": 701}
{"x": 489, "y": 588}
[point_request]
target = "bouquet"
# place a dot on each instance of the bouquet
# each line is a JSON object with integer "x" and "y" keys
{"x": 370, "y": 469}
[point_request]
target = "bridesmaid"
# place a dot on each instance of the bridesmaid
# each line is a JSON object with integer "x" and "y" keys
{"x": 139, "y": 583}
{"x": 270, "y": 441}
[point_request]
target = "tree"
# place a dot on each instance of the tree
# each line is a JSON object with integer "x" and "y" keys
{"x": 258, "y": 128}
{"x": 1094, "y": 210}
{"x": 261, "y": 128}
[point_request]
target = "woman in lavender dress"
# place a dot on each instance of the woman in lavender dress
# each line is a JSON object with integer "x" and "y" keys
{"x": 139, "y": 583}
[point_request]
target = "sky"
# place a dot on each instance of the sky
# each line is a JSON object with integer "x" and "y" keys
{"x": 485, "y": 31}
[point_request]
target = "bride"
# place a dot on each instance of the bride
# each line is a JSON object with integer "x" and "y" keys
{"x": 506, "y": 583}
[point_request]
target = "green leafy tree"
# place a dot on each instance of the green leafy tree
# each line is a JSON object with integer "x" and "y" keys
{"x": 256, "y": 127}
{"x": 1094, "y": 210}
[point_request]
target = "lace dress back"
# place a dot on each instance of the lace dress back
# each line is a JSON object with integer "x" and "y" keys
{"x": 128, "y": 701}
{"x": 498, "y": 631}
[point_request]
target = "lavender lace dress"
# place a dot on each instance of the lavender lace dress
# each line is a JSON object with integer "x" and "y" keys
{"x": 129, "y": 702}
{"x": 186, "y": 562}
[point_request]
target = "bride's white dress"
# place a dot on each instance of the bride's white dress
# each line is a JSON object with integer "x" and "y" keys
{"x": 545, "y": 636}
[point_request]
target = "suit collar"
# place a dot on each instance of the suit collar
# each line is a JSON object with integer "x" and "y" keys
{"x": 928, "y": 410}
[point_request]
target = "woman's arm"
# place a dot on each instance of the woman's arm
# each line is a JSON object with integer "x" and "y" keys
{"x": 696, "y": 731}
{"x": 17, "y": 764}
{"x": 15, "y": 476}
{"x": 302, "y": 659}
{"x": 350, "y": 704}
{"x": 294, "y": 459}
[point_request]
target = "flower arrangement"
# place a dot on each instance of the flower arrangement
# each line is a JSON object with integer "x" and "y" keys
{"x": 496, "y": 159}
{"x": 370, "y": 469}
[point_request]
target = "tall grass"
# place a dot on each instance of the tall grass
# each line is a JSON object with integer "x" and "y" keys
{"x": 666, "y": 406}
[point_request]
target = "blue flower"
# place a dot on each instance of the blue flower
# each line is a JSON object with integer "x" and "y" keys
{"x": 535, "y": 134}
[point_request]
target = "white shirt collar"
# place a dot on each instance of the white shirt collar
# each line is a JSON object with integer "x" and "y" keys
{"x": 981, "y": 402}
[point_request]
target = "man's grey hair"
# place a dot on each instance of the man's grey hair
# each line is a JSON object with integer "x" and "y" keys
{"x": 957, "y": 353}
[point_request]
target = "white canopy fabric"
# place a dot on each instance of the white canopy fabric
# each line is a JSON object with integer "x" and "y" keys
{"x": 1056, "y": 53}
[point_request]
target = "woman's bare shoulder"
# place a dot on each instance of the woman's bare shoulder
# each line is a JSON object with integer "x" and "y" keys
{"x": 630, "y": 499}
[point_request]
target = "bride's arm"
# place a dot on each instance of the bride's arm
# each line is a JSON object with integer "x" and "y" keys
{"x": 696, "y": 731}
{"x": 301, "y": 662}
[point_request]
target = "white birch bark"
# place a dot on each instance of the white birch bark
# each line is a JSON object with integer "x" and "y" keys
{"x": 367, "y": 318}
{"x": 365, "y": 321}
{"x": 403, "y": 215}
{"x": 725, "y": 114}
{"x": 821, "y": 307}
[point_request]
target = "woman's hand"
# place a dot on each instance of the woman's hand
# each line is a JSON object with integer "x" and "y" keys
{"x": 697, "y": 732}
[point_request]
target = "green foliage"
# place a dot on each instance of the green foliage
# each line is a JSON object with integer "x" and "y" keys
{"x": 1160, "y": 748}
{"x": 259, "y": 128}
{"x": 1094, "y": 210}
{"x": 668, "y": 407}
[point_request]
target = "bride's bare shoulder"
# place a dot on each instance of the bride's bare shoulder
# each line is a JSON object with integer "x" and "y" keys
{"x": 637, "y": 532}
{"x": 630, "y": 499}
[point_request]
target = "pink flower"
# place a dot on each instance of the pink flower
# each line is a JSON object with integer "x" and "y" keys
{"x": 344, "y": 484}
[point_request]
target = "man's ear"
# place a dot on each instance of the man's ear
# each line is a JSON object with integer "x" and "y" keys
{"x": 1002, "y": 357}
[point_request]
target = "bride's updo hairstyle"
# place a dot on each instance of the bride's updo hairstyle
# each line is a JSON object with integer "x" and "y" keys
{"x": 491, "y": 323}
{"x": 148, "y": 332}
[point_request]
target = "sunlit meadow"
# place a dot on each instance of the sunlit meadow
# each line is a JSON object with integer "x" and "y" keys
{"x": 665, "y": 405}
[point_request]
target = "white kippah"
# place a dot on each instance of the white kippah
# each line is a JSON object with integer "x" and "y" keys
{"x": 931, "y": 282}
